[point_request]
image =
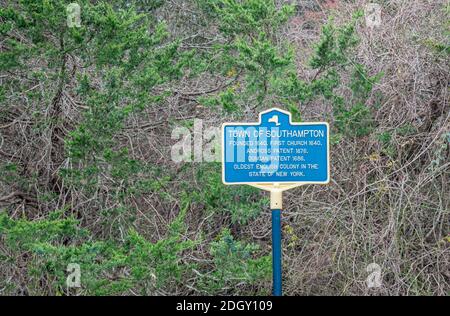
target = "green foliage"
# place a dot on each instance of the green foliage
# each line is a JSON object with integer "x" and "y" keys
{"x": 269, "y": 71}
{"x": 353, "y": 117}
{"x": 242, "y": 203}
{"x": 357, "y": 120}
{"x": 406, "y": 130}
{"x": 332, "y": 57}
{"x": 250, "y": 49}
{"x": 332, "y": 49}
{"x": 387, "y": 146}
{"x": 246, "y": 17}
{"x": 24, "y": 234}
{"x": 354, "y": 122}
{"x": 9, "y": 173}
{"x": 235, "y": 265}
{"x": 227, "y": 100}
{"x": 164, "y": 256}
{"x": 107, "y": 268}
{"x": 127, "y": 63}
{"x": 113, "y": 268}
{"x": 361, "y": 83}
{"x": 441, "y": 47}
{"x": 441, "y": 153}
{"x": 130, "y": 64}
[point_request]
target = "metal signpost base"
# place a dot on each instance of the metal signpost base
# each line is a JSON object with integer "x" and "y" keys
{"x": 276, "y": 252}
{"x": 276, "y": 205}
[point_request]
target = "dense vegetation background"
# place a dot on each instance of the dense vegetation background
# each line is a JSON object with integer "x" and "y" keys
{"x": 86, "y": 120}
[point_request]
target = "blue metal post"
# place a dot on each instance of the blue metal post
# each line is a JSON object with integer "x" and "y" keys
{"x": 276, "y": 252}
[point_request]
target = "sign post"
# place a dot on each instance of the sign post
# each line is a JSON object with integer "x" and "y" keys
{"x": 276, "y": 203}
{"x": 275, "y": 155}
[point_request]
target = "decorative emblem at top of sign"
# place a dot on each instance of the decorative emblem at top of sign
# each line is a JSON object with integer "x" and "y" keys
{"x": 276, "y": 116}
{"x": 274, "y": 119}
{"x": 275, "y": 150}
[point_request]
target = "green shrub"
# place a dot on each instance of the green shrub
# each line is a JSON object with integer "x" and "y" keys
{"x": 241, "y": 203}
{"x": 107, "y": 267}
{"x": 234, "y": 265}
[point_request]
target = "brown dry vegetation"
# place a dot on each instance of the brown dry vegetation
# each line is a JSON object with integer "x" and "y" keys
{"x": 393, "y": 211}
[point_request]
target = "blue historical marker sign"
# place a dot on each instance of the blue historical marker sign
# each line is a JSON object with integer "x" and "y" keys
{"x": 275, "y": 150}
